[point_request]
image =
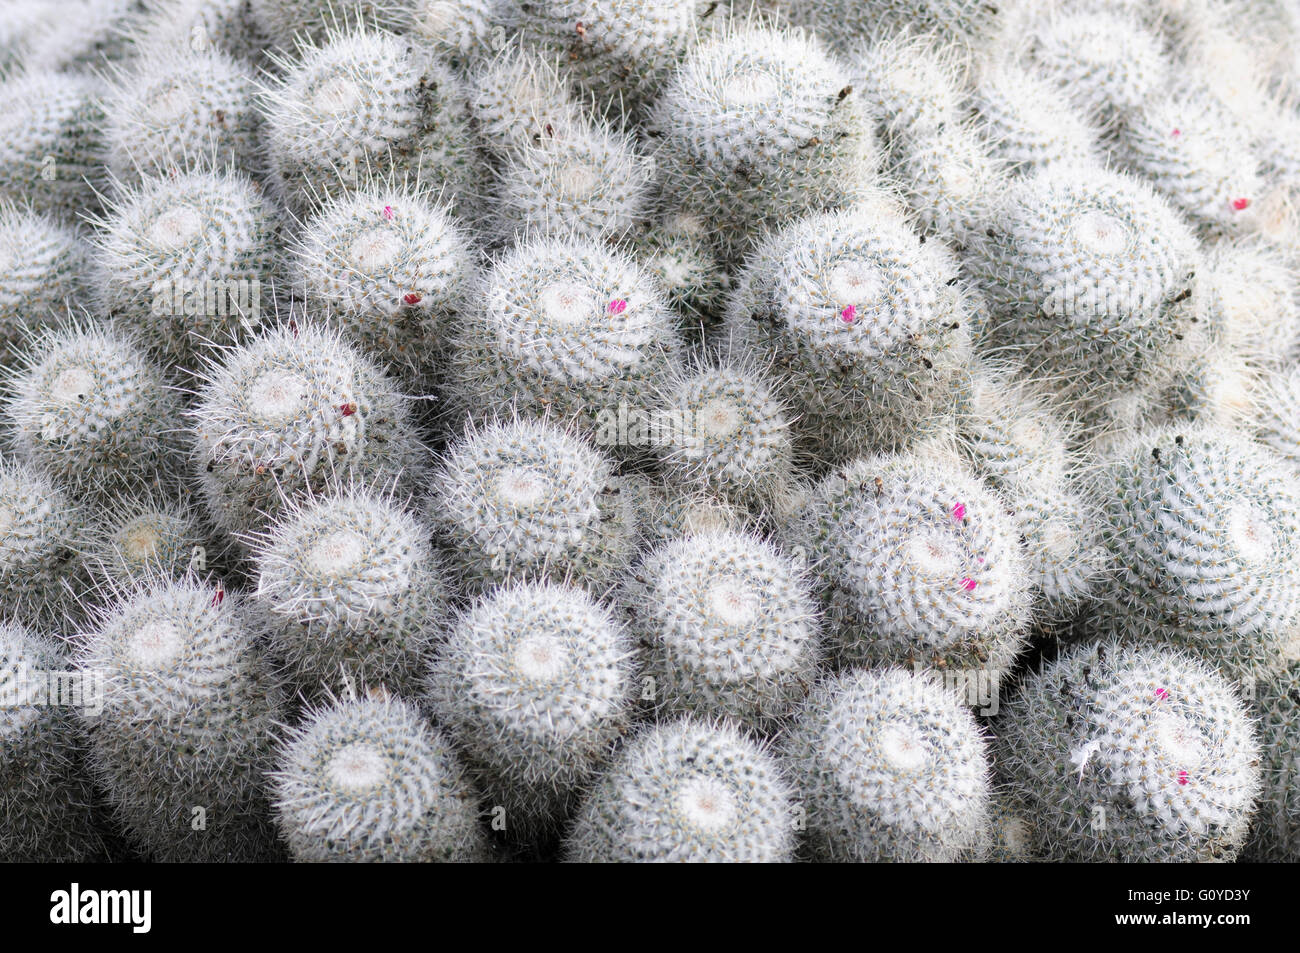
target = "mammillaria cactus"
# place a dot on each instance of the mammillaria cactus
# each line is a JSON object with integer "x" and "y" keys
{"x": 45, "y": 795}
{"x": 366, "y": 103}
{"x": 353, "y": 591}
{"x": 291, "y": 24}
{"x": 1277, "y": 416}
{"x": 42, "y": 532}
{"x": 1275, "y": 833}
{"x": 757, "y": 127}
{"x": 391, "y": 266}
{"x": 525, "y": 499}
{"x": 566, "y": 327}
{"x": 729, "y": 625}
{"x": 44, "y": 269}
{"x": 890, "y": 767}
{"x": 183, "y": 738}
{"x": 535, "y": 683}
{"x": 1203, "y": 532}
{"x": 201, "y": 25}
{"x": 1131, "y": 754}
{"x": 918, "y": 563}
{"x": 843, "y": 22}
{"x": 518, "y": 97}
{"x": 1081, "y": 267}
{"x": 688, "y": 791}
{"x": 1027, "y": 122}
{"x": 860, "y": 322}
{"x": 147, "y": 538}
{"x": 191, "y": 259}
{"x": 52, "y": 142}
{"x": 463, "y": 31}
{"x": 911, "y": 84}
{"x": 181, "y": 109}
{"x": 677, "y": 252}
{"x": 725, "y": 431}
{"x": 292, "y": 412}
{"x": 88, "y": 405}
{"x": 367, "y": 780}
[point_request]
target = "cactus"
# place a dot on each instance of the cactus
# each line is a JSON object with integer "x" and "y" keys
{"x": 44, "y": 270}
{"x": 201, "y": 25}
{"x": 911, "y": 84}
{"x": 368, "y": 781}
{"x": 189, "y": 258}
{"x": 464, "y": 32}
{"x": 534, "y": 682}
{"x": 295, "y": 24}
{"x": 42, "y": 532}
{"x": 950, "y": 181}
{"x": 1027, "y": 122}
{"x": 725, "y": 432}
{"x": 857, "y": 317}
{"x": 688, "y": 791}
{"x": 89, "y": 406}
{"x": 353, "y": 591}
{"x": 526, "y": 499}
{"x": 290, "y": 413}
{"x": 45, "y": 795}
{"x": 891, "y": 768}
{"x": 83, "y": 35}
{"x": 1081, "y": 267}
{"x": 1203, "y": 524}
{"x": 845, "y": 22}
{"x": 391, "y": 266}
{"x": 183, "y": 738}
{"x": 181, "y": 109}
{"x": 917, "y": 562}
{"x": 1275, "y": 833}
{"x": 758, "y": 127}
{"x": 1131, "y": 754}
{"x": 52, "y": 142}
{"x": 1277, "y": 417}
{"x": 584, "y": 180}
{"x": 518, "y": 97}
{"x": 563, "y": 326}
{"x": 143, "y": 539}
{"x": 366, "y": 103}
{"x": 730, "y": 626}
{"x": 676, "y": 252}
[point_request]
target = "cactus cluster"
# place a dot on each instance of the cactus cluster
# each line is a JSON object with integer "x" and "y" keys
{"x": 650, "y": 430}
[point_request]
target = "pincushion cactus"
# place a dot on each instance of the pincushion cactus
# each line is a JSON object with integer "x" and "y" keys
{"x": 292, "y": 412}
{"x": 191, "y": 258}
{"x": 183, "y": 738}
{"x": 860, "y": 322}
{"x": 42, "y": 533}
{"x": 89, "y": 406}
{"x": 353, "y": 591}
{"x": 45, "y": 794}
{"x": 1131, "y": 754}
{"x": 366, "y": 103}
{"x": 890, "y": 767}
{"x": 729, "y": 625}
{"x": 391, "y": 266}
{"x": 368, "y": 781}
{"x": 291, "y": 24}
{"x": 676, "y": 252}
{"x": 535, "y": 683}
{"x": 1201, "y": 525}
{"x": 464, "y": 32}
{"x": 147, "y": 538}
{"x": 53, "y": 141}
{"x": 563, "y": 326}
{"x": 1275, "y": 833}
{"x": 518, "y": 97}
{"x": 525, "y": 499}
{"x": 757, "y": 127}
{"x": 917, "y": 562}
{"x": 181, "y": 109}
{"x": 688, "y": 791}
{"x": 1027, "y": 122}
{"x": 44, "y": 268}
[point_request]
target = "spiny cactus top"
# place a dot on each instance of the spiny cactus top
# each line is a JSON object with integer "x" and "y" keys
{"x": 191, "y": 258}
{"x": 535, "y": 683}
{"x": 181, "y": 109}
{"x": 856, "y": 311}
{"x": 844, "y": 22}
{"x": 1131, "y": 754}
{"x": 911, "y": 85}
{"x": 42, "y": 533}
{"x": 44, "y": 269}
{"x": 296, "y": 409}
{"x": 367, "y": 780}
{"x": 918, "y": 562}
{"x": 353, "y": 589}
{"x": 730, "y": 626}
{"x": 688, "y": 791}
{"x": 147, "y": 537}
{"x": 891, "y": 768}
{"x": 88, "y": 405}
{"x": 526, "y": 499}
{"x": 1027, "y": 121}
{"x": 391, "y": 266}
{"x": 518, "y": 97}
{"x": 463, "y": 31}
{"x": 564, "y": 326}
{"x": 367, "y": 102}
{"x": 186, "y": 720}
{"x": 1203, "y": 528}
